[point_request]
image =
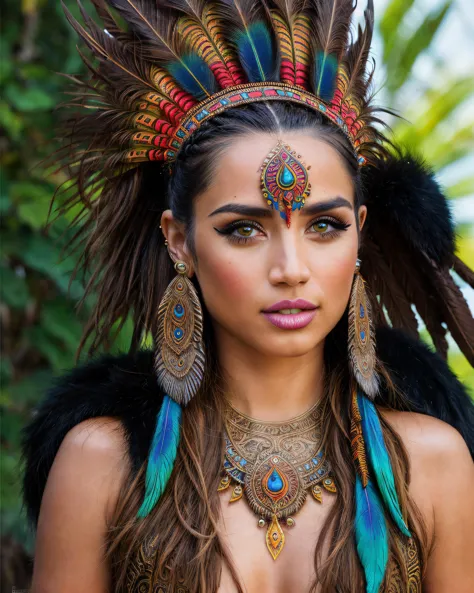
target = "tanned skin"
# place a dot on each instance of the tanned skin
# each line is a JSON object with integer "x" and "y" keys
{"x": 274, "y": 375}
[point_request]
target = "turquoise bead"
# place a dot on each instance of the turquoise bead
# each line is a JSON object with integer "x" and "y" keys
{"x": 286, "y": 177}
{"x": 274, "y": 483}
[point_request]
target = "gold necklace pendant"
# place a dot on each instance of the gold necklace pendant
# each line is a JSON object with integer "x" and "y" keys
{"x": 275, "y": 465}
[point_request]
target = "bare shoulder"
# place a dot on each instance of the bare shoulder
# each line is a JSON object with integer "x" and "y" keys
{"x": 98, "y": 447}
{"x": 81, "y": 492}
{"x": 438, "y": 455}
{"x": 426, "y": 437}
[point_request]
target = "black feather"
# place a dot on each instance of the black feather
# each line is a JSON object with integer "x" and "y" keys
{"x": 403, "y": 194}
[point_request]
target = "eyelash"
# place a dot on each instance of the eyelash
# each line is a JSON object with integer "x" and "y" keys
{"x": 228, "y": 230}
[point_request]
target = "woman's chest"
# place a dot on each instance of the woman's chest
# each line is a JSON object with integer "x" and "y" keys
{"x": 293, "y": 569}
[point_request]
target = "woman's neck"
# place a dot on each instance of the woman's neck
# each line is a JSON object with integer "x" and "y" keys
{"x": 270, "y": 388}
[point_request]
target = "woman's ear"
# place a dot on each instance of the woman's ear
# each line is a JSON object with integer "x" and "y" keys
{"x": 174, "y": 232}
{"x": 362, "y": 214}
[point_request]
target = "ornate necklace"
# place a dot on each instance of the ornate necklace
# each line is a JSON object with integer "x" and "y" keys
{"x": 275, "y": 464}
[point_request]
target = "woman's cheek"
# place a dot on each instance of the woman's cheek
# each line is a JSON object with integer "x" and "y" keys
{"x": 227, "y": 284}
{"x": 334, "y": 276}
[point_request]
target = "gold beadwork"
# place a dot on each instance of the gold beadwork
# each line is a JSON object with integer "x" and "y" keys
{"x": 290, "y": 522}
{"x": 224, "y": 484}
{"x": 330, "y": 486}
{"x": 275, "y": 538}
{"x": 317, "y": 493}
{"x": 237, "y": 493}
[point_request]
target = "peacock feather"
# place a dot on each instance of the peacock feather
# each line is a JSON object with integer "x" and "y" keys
{"x": 380, "y": 460}
{"x": 370, "y": 534}
{"x": 162, "y": 454}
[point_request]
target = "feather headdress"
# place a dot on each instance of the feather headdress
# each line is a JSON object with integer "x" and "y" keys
{"x": 178, "y": 63}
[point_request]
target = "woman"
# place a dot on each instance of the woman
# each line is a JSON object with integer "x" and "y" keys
{"x": 270, "y": 440}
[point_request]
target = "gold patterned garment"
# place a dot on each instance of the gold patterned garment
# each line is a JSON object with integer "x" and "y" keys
{"x": 140, "y": 575}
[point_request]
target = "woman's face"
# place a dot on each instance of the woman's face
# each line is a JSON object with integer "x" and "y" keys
{"x": 247, "y": 260}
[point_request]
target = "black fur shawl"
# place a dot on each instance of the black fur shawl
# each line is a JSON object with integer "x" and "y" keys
{"x": 125, "y": 387}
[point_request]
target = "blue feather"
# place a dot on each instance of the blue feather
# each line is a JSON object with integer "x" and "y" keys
{"x": 255, "y": 50}
{"x": 325, "y": 73}
{"x": 162, "y": 454}
{"x": 371, "y": 535}
{"x": 380, "y": 460}
{"x": 194, "y": 76}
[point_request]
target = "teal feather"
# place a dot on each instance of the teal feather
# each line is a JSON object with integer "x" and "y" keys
{"x": 379, "y": 460}
{"x": 325, "y": 74}
{"x": 255, "y": 49}
{"x": 370, "y": 535}
{"x": 194, "y": 76}
{"x": 162, "y": 454}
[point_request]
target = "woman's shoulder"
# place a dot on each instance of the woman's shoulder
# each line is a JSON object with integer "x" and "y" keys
{"x": 97, "y": 451}
{"x": 427, "y": 438}
{"x": 438, "y": 456}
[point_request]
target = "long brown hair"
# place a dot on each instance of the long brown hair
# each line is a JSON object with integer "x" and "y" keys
{"x": 129, "y": 270}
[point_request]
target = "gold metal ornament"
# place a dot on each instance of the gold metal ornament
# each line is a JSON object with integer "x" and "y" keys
{"x": 275, "y": 465}
{"x": 361, "y": 345}
{"x": 180, "y": 358}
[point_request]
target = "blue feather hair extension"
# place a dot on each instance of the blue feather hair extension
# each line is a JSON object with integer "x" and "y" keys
{"x": 370, "y": 534}
{"x": 162, "y": 454}
{"x": 325, "y": 74}
{"x": 380, "y": 461}
{"x": 256, "y": 54}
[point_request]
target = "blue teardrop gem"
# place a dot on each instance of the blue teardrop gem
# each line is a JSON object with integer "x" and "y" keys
{"x": 362, "y": 335}
{"x": 178, "y": 333}
{"x": 286, "y": 177}
{"x": 274, "y": 482}
{"x": 362, "y": 311}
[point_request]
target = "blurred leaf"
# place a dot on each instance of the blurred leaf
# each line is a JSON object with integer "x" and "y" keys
{"x": 29, "y": 99}
{"x": 408, "y": 51}
{"x": 390, "y": 24}
{"x": 13, "y": 289}
{"x": 61, "y": 321}
{"x": 53, "y": 350}
{"x": 28, "y": 390}
{"x": 41, "y": 254}
{"x": 10, "y": 121}
{"x": 433, "y": 109}
{"x": 464, "y": 187}
{"x": 33, "y": 201}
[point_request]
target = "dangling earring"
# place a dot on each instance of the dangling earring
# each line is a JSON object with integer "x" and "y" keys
{"x": 362, "y": 355}
{"x": 179, "y": 366}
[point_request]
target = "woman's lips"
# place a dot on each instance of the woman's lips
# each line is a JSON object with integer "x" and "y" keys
{"x": 291, "y": 321}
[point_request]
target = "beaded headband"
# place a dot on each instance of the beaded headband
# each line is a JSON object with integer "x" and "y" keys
{"x": 239, "y": 95}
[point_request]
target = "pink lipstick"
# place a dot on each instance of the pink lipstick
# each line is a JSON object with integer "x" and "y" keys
{"x": 291, "y": 314}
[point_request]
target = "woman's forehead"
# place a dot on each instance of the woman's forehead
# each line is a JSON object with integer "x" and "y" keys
{"x": 238, "y": 168}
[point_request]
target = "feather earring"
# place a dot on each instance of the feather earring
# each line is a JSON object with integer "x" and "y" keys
{"x": 179, "y": 366}
{"x": 362, "y": 338}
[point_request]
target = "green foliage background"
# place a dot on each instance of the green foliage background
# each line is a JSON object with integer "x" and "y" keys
{"x": 40, "y": 325}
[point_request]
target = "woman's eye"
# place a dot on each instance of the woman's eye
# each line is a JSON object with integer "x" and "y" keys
{"x": 320, "y": 226}
{"x": 244, "y": 231}
{"x": 328, "y": 228}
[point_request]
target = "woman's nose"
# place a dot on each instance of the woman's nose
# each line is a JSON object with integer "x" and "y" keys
{"x": 288, "y": 262}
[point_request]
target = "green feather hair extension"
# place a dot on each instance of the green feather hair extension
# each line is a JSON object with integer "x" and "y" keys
{"x": 163, "y": 451}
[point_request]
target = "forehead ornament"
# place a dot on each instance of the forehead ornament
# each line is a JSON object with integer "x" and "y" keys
{"x": 285, "y": 181}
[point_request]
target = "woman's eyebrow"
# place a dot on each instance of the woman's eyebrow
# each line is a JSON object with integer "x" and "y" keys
{"x": 259, "y": 212}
